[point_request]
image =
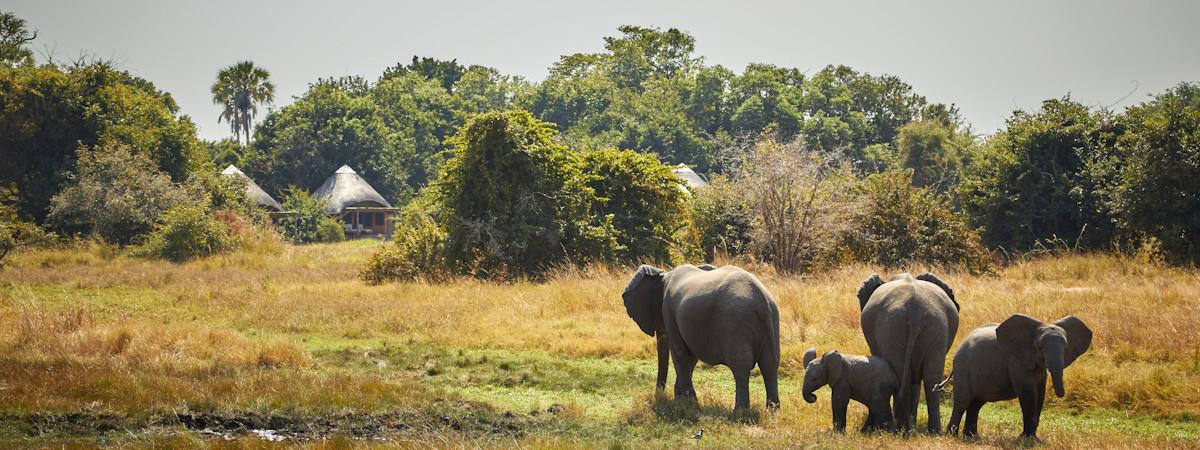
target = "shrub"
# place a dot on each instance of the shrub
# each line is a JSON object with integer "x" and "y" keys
{"x": 417, "y": 253}
{"x": 903, "y": 223}
{"x": 514, "y": 202}
{"x": 801, "y": 201}
{"x": 722, "y": 220}
{"x": 16, "y": 233}
{"x": 229, "y": 194}
{"x": 330, "y": 230}
{"x": 188, "y": 231}
{"x": 248, "y": 235}
{"x": 116, "y": 194}
{"x": 310, "y": 223}
{"x": 644, "y": 198}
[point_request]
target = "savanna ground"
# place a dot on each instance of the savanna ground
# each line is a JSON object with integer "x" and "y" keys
{"x": 245, "y": 349}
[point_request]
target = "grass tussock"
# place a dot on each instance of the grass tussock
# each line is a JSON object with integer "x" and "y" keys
{"x": 89, "y": 327}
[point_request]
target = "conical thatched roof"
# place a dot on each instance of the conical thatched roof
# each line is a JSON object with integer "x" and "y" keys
{"x": 690, "y": 177}
{"x": 253, "y": 192}
{"x": 345, "y": 188}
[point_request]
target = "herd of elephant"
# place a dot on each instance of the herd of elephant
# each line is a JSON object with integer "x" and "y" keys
{"x": 726, "y": 316}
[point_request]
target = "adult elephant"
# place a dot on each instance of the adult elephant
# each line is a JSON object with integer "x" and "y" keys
{"x": 716, "y": 315}
{"x": 910, "y": 322}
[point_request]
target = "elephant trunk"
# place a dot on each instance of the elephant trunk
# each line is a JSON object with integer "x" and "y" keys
{"x": 1055, "y": 364}
{"x": 807, "y": 392}
{"x": 664, "y": 356}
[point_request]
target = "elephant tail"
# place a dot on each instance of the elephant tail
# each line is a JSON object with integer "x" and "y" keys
{"x": 941, "y": 387}
{"x": 910, "y": 344}
{"x": 772, "y": 347}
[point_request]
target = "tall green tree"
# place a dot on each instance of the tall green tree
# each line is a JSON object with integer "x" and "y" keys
{"x": 240, "y": 89}
{"x": 933, "y": 150}
{"x": 1029, "y": 183}
{"x": 46, "y": 113}
{"x": 14, "y": 35}
{"x": 445, "y": 73}
{"x": 1154, "y": 175}
{"x": 768, "y": 98}
{"x": 644, "y": 53}
{"x": 305, "y": 142}
{"x": 850, "y": 110}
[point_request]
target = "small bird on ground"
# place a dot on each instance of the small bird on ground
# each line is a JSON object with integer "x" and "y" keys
{"x": 699, "y": 434}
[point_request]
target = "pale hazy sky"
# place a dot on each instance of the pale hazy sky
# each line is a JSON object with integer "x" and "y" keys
{"x": 987, "y": 58}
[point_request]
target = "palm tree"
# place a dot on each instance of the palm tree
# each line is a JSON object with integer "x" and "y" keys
{"x": 240, "y": 88}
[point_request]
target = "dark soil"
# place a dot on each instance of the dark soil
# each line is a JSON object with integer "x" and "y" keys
{"x": 470, "y": 420}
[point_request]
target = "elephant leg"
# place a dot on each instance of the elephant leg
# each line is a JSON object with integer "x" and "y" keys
{"x": 900, "y": 407}
{"x": 961, "y": 403}
{"x": 1039, "y": 402}
{"x": 770, "y": 375}
{"x": 741, "y": 381}
{"x": 932, "y": 397}
{"x": 914, "y": 399}
{"x": 883, "y": 416}
{"x": 685, "y": 363}
{"x": 1029, "y": 411}
{"x": 840, "y": 404}
{"x": 664, "y": 356}
{"x": 868, "y": 422}
{"x": 971, "y": 428}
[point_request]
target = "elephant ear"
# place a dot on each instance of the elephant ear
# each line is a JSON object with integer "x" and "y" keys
{"x": 809, "y": 355}
{"x": 835, "y": 366}
{"x": 1015, "y": 336}
{"x": 868, "y": 287}
{"x": 942, "y": 284}
{"x": 1079, "y": 338}
{"x": 643, "y": 298}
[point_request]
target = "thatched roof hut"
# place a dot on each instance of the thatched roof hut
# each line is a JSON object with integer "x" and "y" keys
{"x": 253, "y": 192}
{"x": 345, "y": 189}
{"x": 692, "y": 179}
{"x": 353, "y": 201}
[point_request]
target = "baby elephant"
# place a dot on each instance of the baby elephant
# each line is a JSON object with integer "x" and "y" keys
{"x": 1010, "y": 360}
{"x": 866, "y": 379}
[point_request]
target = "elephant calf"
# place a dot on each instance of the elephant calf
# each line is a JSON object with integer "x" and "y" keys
{"x": 866, "y": 379}
{"x": 1010, "y": 360}
{"x": 716, "y": 315}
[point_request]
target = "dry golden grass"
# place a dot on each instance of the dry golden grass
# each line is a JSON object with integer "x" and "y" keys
{"x": 91, "y": 329}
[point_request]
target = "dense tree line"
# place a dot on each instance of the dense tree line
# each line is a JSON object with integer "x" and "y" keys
{"x": 615, "y": 120}
{"x": 647, "y": 92}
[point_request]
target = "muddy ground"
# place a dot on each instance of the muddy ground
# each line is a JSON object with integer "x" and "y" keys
{"x": 462, "y": 418}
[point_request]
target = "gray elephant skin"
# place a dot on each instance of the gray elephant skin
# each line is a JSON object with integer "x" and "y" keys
{"x": 1010, "y": 360}
{"x": 910, "y": 322}
{"x": 866, "y": 379}
{"x": 716, "y": 315}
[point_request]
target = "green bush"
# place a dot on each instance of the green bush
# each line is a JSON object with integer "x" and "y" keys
{"x": 644, "y": 198}
{"x": 16, "y": 233}
{"x": 187, "y": 231}
{"x": 310, "y": 223}
{"x": 903, "y": 224}
{"x": 722, "y": 220}
{"x": 417, "y": 253}
{"x": 115, "y": 193}
{"x": 514, "y": 202}
{"x": 330, "y": 230}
